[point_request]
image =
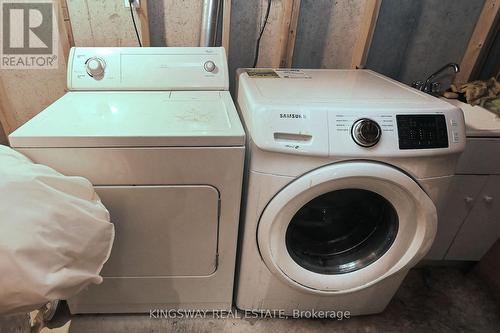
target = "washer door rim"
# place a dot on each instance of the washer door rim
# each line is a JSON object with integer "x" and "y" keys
{"x": 416, "y": 213}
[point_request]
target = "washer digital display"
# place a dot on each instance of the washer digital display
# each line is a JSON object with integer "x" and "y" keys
{"x": 422, "y": 131}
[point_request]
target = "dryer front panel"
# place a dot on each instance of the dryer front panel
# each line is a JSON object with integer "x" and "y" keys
{"x": 346, "y": 226}
{"x": 162, "y": 231}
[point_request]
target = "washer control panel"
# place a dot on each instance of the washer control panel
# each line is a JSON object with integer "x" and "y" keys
{"x": 346, "y": 114}
{"x": 324, "y": 132}
{"x": 396, "y": 132}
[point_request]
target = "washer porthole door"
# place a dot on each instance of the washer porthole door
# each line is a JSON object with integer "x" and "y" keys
{"x": 341, "y": 231}
{"x": 345, "y": 226}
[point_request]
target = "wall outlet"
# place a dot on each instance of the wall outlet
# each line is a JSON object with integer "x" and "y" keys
{"x": 135, "y": 3}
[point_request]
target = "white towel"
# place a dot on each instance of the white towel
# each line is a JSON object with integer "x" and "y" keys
{"x": 55, "y": 234}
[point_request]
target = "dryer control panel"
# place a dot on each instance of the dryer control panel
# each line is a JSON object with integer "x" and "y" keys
{"x": 147, "y": 68}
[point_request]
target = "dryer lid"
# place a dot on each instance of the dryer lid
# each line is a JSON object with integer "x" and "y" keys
{"x": 134, "y": 119}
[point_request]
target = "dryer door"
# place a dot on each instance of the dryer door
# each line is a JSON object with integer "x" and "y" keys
{"x": 346, "y": 226}
{"x": 162, "y": 230}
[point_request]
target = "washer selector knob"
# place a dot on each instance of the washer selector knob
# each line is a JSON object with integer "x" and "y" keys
{"x": 366, "y": 132}
{"x": 95, "y": 67}
{"x": 209, "y": 66}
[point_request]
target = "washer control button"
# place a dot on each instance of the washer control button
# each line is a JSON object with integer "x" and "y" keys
{"x": 366, "y": 132}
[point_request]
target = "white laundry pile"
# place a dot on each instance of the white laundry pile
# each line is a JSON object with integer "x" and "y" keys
{"x": 55, "y": 234}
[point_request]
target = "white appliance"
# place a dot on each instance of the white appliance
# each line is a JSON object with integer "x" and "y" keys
{"x": 156, "y": 131}
{"x": 345, "y": 168}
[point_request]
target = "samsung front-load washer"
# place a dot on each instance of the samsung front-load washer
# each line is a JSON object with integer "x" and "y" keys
{"x": 156, "y": 132}
{"x": 345, "y": 169}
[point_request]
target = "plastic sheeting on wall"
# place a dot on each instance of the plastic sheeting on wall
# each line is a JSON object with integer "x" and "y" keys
{"x": 55, "y": 234}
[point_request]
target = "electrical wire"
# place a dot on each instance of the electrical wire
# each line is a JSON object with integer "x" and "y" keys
{"x": 133, "y": 21}
{"x": 257, "y": 46}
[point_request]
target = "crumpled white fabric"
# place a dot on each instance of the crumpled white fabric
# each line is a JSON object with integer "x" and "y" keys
{"x": 55, "y": 234}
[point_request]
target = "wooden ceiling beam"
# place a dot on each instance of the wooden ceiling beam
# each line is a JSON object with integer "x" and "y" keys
{"x": 142, "y": 12}
{"x": 226, "y": 24}
{"x": 365, "y": 35}
{"x": 288, "y": 33}
{"x": 486, "y": 26}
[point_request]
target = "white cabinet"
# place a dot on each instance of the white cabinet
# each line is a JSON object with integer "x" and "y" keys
{"x": 462, "y": 194}
{"x": 481, "y": 227}
{"x": 478, "y": 182}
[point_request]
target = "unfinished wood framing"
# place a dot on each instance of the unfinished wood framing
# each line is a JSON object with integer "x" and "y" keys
{"x": 3, "y": 137}
{"x": 363, "y": 42}
{"x": 278, "y": 40}
{"x": 486, "y": 25}
{"x": 226, "y": 24}
{"x": 289, "y": 32}
{"x": 65, "y": 29}
{"x": 143, "y": 18}
{"x": 7, "y": 119}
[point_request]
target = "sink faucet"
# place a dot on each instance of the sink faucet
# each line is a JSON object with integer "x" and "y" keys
{"x": 432, "y": 87}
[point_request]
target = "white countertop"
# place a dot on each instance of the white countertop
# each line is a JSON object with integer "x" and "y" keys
{"x": 479, "y": 122}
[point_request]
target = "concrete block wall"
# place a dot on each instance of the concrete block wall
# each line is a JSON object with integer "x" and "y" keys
{"x": 327, "y": 32}
{"x": 413, "y": 39}
{"x": 174, "y": 22}
{"x": 102, "y": 23}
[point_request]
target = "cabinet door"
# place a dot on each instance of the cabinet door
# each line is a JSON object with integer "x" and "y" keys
{"x": 482, "y": 227}
{"x": 453, "y": 209}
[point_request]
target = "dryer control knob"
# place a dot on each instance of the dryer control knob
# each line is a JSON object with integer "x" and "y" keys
{"x": 209, "y": 66}
{"x": 95, "y": 67}
{"x": 366, "y": 132}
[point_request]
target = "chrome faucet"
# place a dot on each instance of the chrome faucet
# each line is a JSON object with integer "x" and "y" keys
{"x": 430, "y": 86}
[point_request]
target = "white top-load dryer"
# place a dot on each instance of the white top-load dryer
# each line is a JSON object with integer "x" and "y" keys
{"x": 155, "y": 130}
{"x": 345, "y": 169}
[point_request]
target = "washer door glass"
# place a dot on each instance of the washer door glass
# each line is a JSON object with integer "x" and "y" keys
{"x": 342, "y": 231}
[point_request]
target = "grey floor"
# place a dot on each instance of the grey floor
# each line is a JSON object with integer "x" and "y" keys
{"x": 431, "y": 299}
